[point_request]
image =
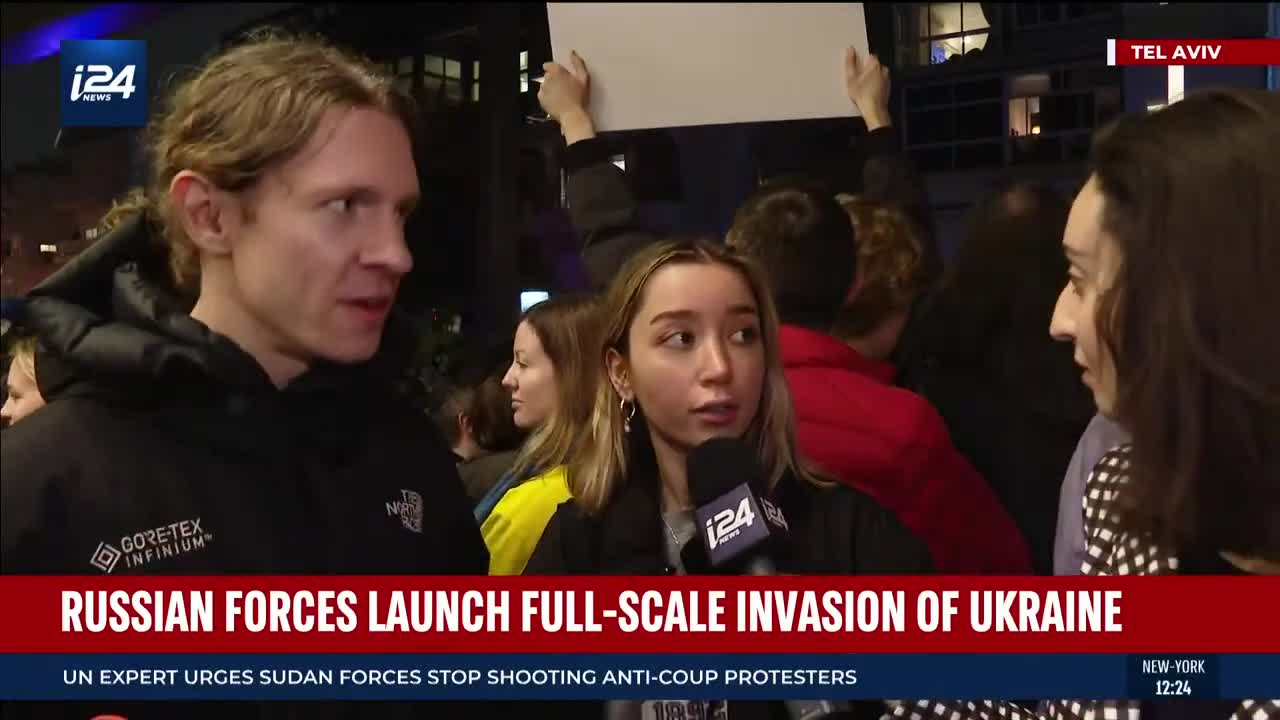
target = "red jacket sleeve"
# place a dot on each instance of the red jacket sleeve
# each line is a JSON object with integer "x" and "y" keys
{"x": 953, "y": 508}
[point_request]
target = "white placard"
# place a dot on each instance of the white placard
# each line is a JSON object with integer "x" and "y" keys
{"x": 678, "y": 64}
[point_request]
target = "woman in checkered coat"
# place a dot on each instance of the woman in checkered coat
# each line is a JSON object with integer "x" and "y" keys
{"x": 1171, "y": 306}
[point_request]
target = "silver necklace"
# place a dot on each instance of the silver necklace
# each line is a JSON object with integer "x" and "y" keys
{"x": 671, "y": 531}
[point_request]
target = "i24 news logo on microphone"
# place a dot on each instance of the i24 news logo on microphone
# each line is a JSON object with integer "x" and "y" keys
{"x": 104, "y": 83}
{"x": 729, "y": 523}
{"x": 737, "y": 521}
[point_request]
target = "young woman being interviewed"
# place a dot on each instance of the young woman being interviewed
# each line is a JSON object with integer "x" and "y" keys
{"x": 690, "y": 353}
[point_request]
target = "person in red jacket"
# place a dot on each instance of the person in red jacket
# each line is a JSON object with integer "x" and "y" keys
{"x": 853, "y": 422}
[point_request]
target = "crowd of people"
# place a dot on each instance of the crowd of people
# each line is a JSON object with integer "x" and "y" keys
{"x": 229, "y": 351}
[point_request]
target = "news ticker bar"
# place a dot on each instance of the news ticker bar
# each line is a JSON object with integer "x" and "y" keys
{"x": 1252, "y": 51}
{"x": 635, "y": 677}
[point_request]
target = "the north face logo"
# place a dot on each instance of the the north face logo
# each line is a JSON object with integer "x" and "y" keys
{"x": 409, "y": 509}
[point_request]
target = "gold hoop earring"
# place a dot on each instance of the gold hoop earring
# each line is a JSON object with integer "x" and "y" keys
{"x": 628, "y": 409}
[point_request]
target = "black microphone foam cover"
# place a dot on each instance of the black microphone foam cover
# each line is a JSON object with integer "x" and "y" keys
{"x": 719, "y": 465}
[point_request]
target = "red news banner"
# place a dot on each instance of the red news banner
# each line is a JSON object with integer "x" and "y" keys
{"x": 412, "y": 614}
{"x": 1264, "y": 51}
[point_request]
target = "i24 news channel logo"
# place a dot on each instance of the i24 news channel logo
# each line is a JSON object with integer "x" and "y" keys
{"x": 104, "y": 83}
{"x": 735, "y": 520}
{"x": 728, "y": 523}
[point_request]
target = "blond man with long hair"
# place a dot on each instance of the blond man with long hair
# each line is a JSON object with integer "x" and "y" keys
{"x": 238, "y": 397}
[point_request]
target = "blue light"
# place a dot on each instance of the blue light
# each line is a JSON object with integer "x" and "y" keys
{"x": 1273, "y": 72}
{"x": 101, "y": 22}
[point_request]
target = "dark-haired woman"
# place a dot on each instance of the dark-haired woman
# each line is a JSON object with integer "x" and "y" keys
{"x": 1171, "y": 308}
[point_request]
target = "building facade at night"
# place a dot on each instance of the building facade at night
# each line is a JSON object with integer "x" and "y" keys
{"x": 983, "y": 93}
{"x": 57, "y": 182}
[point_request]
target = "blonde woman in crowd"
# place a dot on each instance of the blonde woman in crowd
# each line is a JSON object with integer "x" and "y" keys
{"x": 22, "y": 395}
{"x": 552, "y": 385}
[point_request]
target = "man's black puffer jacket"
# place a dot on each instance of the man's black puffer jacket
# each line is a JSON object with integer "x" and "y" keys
{"x": 165, "y": 449}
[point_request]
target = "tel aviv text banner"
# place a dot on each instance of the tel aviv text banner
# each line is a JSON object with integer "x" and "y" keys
{"x": 367, "y": 637}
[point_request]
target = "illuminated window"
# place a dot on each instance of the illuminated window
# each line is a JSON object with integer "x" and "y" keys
{"x": 934, "y": 33}
{"x": 1024, "y": 102}
{"x": 403, "y": 71}
{"x": 91, "y": 234}
{"x": 48, "y": 249}
{"x": 529, "y": 298}
{"x": 1053, "y": 113}
{"x": 1024, "y": 116}
{"x": 1175, "y": 84}
{"x": 993, "y": 120}
{"x": 525, "y": 80}
{"x": 442, "y": 78}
